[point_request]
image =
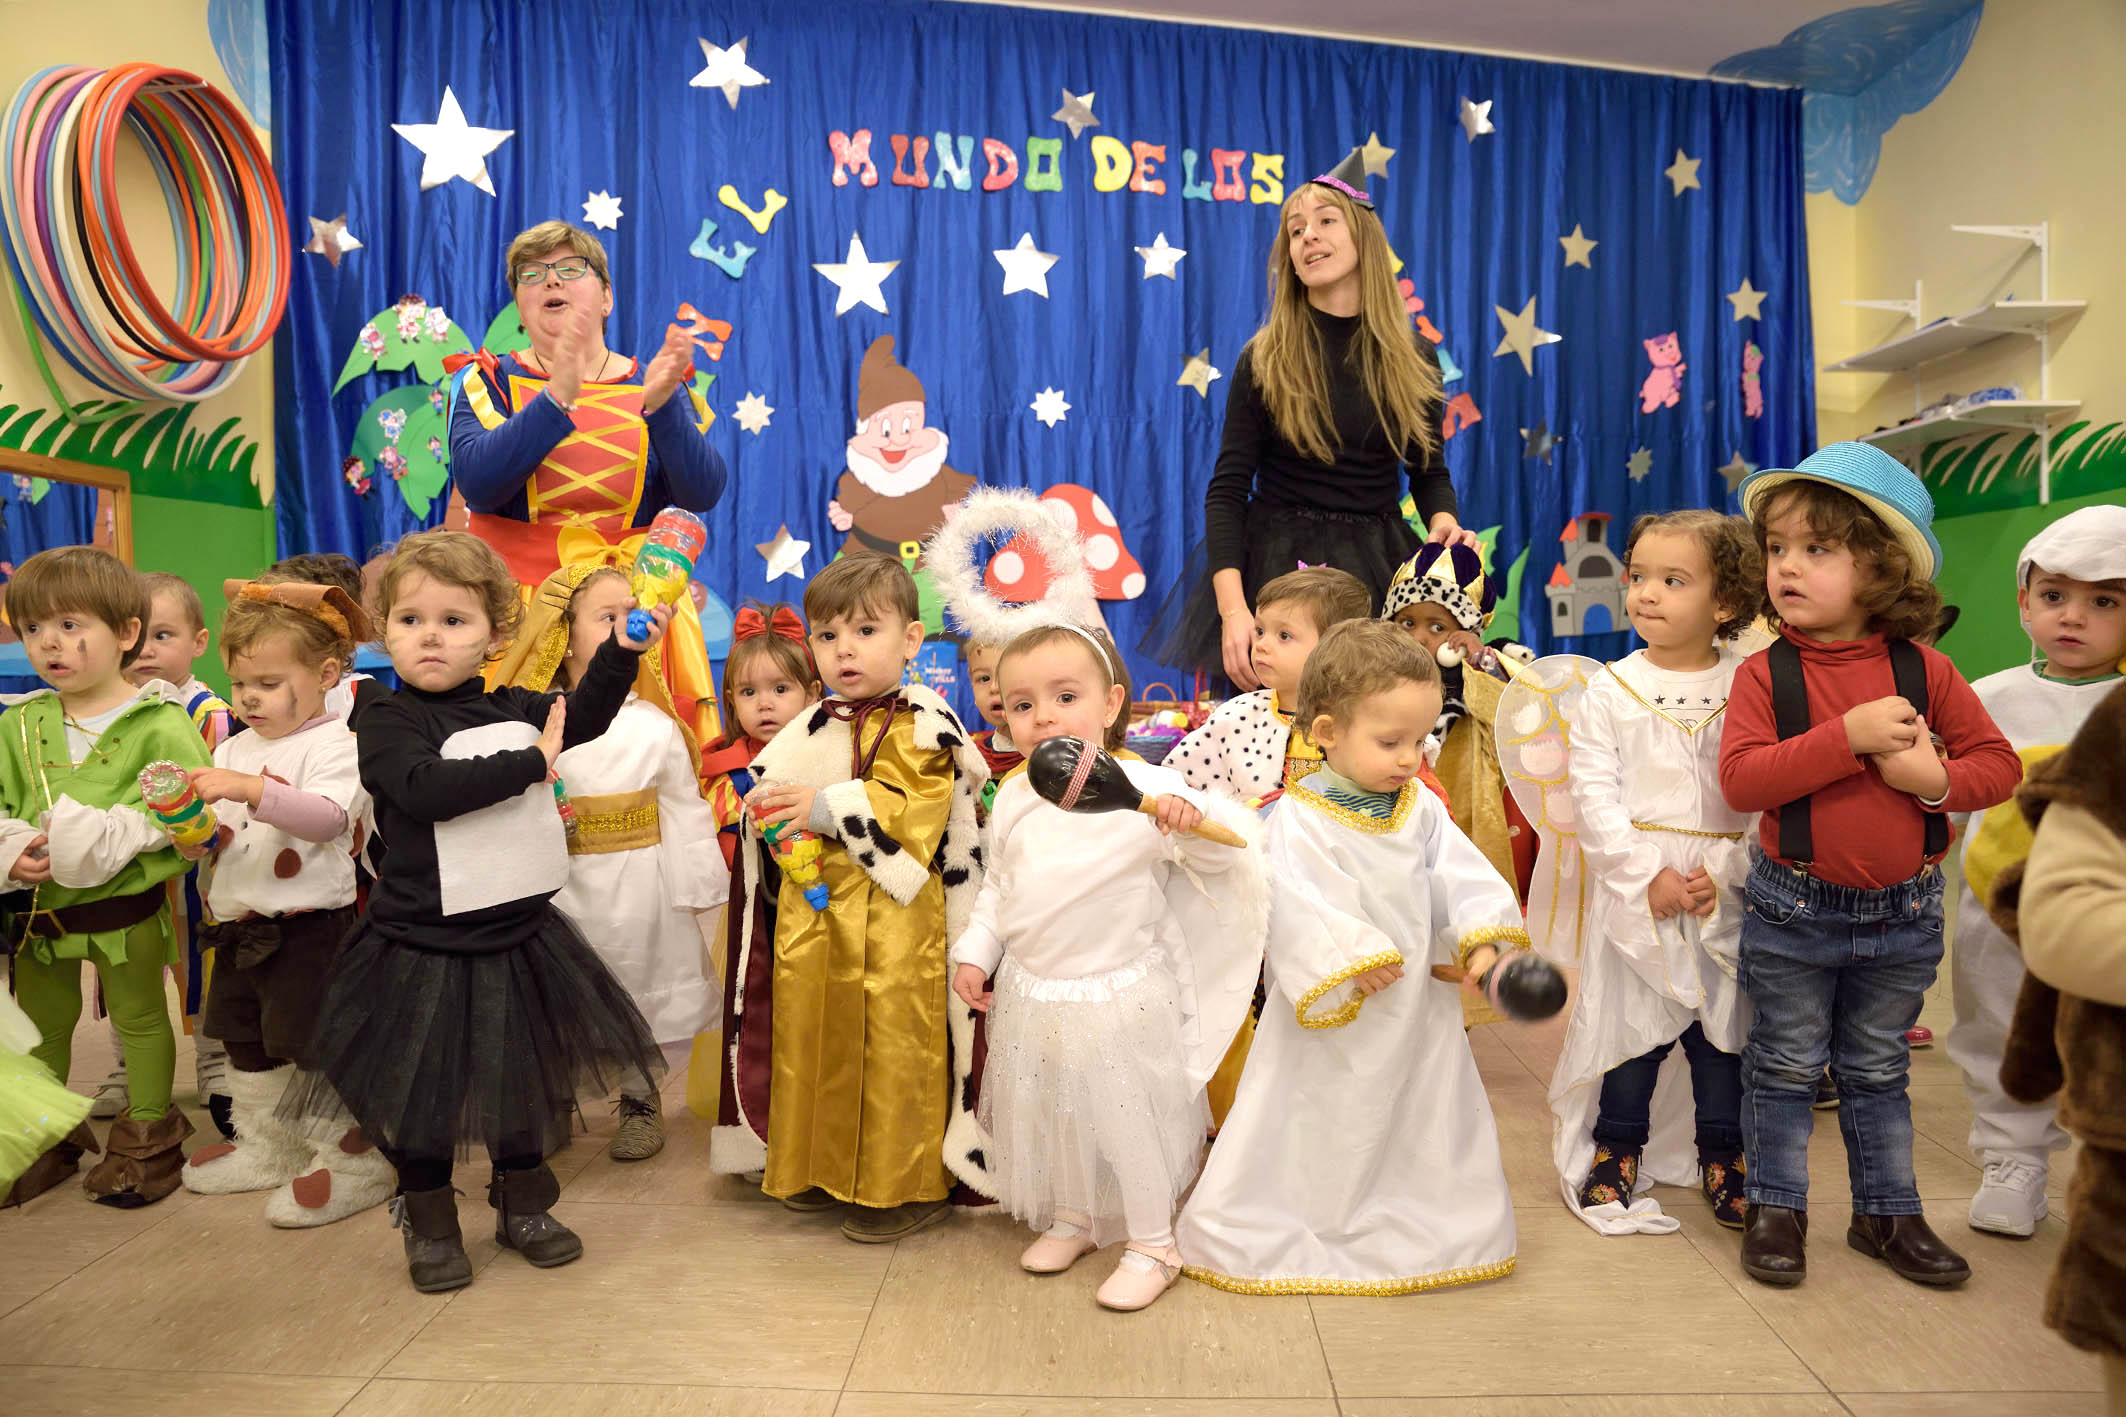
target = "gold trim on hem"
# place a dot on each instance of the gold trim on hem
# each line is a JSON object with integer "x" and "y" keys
{"x": 1345, "y": 975}
{"x": 1359, "y": 821}
{"x": 1492, "y": 935}
{"x": 1363, "y": 1288}
{"x": 1687, "y": 831}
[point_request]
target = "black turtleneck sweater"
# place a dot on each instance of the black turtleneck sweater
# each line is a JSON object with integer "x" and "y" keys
{"x": 1366, "y": 477}
{"x": 463, "y": 824}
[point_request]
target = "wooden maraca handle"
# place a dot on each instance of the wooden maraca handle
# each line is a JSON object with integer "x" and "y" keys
{"x": 1207, "y": 829}
{"x": 1451, "y": 973}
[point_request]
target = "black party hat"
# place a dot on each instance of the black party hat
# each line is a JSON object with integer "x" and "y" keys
{"x": 1349, "y": 178}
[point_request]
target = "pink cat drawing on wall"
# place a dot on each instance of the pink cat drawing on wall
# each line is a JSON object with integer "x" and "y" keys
{"x": 1663, "y": 387}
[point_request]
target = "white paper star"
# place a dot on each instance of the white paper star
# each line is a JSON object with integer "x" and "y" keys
{"x": 1577, "y": 247}
{"x": 602, "y": 211}
{"x": 1160, "y": 258}
{"x": 450, "y": 148}
{"x": 1375, "y": 155}
{"x": 1077, "y": 112}
{"x": 1683, "y": 172}
{"x": 1048, "y": 406}
{"x": 1639, "y": 464}
{"x": 1024, "y": 267}
{"x": 1753, "y": 299}
{"x": 1476, "y": 118}
{"x": 726, "y": 69}
{"x": 331, "y": 239}
{"x": 1522, "y": 336}
{"x": 1197, "y": 373}
{"x": 752, "y": 413}
{"x": 785, "y": 554}
{"x": 857, "y": 279}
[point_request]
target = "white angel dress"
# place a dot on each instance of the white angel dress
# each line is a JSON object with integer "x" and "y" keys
{"x": 642, "y": 863}
{"x": 1123, "y": 963}
{"x": 1360, "y": 1156}
{"x": 1643, "y": 774}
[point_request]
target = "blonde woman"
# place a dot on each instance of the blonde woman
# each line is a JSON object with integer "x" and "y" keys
{"x": 1334, "y": 409}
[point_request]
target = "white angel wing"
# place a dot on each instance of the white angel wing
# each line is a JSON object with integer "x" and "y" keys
{"x": 1534, "y": 745}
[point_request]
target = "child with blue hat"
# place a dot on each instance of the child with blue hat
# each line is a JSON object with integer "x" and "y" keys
{"x": 1855, "y": 743}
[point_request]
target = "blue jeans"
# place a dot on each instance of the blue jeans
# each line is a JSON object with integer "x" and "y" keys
{"x": 1836, "y": 974}
{"x": 1625, "y": 1118}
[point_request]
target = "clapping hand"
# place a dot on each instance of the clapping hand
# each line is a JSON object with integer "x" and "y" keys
{"x": 669, "y": 368}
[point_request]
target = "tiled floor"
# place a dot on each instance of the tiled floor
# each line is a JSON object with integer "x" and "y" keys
{"x": 697, "y": 1298}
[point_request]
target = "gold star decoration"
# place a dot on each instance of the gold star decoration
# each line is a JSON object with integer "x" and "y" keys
{"x": 1522, "y": 335}
{"x": 1375, "y": 155}
{"x": 1577, "y": 246}
{"x": 1639, "y": 464}
{"x": 1735, "y": 469}
{"x": 1197, "y": 373}
{"x": 1539, "y": 441}
{"x": 331, "y": 239}
{"x": 1683, "y": 172}
{"x": 1753, "y": 300}
{"x": 1076, "y": 112}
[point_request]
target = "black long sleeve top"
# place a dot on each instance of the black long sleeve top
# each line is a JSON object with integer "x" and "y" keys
{"x": 1367, "y": 476}
{"x": 471, "y": 868}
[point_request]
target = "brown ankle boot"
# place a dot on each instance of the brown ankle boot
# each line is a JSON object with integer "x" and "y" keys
{"x": 54, "y": 1167}
{"x": 142, "y": 1162}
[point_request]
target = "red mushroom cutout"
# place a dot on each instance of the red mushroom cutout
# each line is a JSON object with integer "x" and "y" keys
{"x": 1019, "y": 573}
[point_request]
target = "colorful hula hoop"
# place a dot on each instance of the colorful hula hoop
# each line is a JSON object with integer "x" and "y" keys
{"x": 70, "y": 258}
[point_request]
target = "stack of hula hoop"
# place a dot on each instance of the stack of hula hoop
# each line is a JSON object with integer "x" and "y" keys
{"x": 76, "y": 276}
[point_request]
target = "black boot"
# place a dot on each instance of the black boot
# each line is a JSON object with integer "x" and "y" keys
{"x": 1908, "y": 1245}
{"x": 521, "y": 1199}
{"x": 1612, "y": 1177}
{"x": 1722, "y": 1174}
{"x": 435, "y": 1249}
{"x": 1773, "y": 1237}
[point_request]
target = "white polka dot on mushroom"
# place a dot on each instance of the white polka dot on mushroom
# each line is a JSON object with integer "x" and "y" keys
{"x": 1100, "y": 512}
{"x": 1009, "y": 568}
{"x": 1102, "y": 551}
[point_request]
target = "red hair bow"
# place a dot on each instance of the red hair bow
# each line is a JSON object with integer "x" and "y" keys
{"x": 782, "y": 621}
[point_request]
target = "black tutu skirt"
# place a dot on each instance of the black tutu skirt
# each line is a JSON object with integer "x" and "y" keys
{"x": 434, "y": 1053}
{"x": 1186, "y": 632}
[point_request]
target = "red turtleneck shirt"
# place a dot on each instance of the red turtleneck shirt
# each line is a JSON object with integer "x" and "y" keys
{"x": 1867, "y": 833}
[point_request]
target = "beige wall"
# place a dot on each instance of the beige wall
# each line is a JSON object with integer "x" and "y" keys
{"x": 173, "y": 33}
{"x": 2029, "y": 130}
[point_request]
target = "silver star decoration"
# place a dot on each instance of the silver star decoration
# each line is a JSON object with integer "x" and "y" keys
{"x": 1197, "y": 373}
{"x": 1160, "y": 258}
{"x": 1077, "y": 112}
{"x": 1375, "y": 155}
{"x": 752, "y": 413}
{"x": 452, "y": 148}
{"x": 1476, "y": 119}
{"x": 602, "y": 211}
{"x": 331, "y": 239}
{"x": 1639, "y": 464}
{"x": 1735, "y": 469}
{"x": 1577, "y": 247}
{"x": 1753, "y": 299}
{"x": 785, "y": 554}
{"x": 1537, "y": 442}
{"x": 857, "y": 279}
{"x": 1048, "y": 406}
{"x": 1683, "y": 172}
{"x": 1024, "y": 267}
{"x": 726, "y": 69}
{"x": 1522, "y": 336}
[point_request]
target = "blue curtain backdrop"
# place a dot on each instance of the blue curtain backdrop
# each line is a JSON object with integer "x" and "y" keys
{"x": 599, "y": 99}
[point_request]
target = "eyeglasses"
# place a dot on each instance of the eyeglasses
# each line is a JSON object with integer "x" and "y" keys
{"x": 534, "y": 272}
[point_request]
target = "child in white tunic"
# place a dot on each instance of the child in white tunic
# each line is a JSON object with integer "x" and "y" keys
{"x": 643, "y": 860}
{"x": 1360, "y": 1156}
{"x": 1119, "y": 979}
{"x": 1664, "y": 858}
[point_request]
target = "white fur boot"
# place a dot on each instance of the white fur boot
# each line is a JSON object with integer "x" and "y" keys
{"x": 343, "y": 1178}
{"x": 265, "y": 1153}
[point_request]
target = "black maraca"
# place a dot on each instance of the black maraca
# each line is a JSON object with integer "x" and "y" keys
{"x": 1079, "y": 777}
{"x": 1520, "y": 984}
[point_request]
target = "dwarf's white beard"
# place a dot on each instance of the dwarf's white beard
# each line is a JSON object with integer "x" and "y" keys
{"x": 898, "y": 481}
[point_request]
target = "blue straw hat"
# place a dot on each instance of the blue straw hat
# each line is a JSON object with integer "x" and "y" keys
{"x": 1890, "y": 490}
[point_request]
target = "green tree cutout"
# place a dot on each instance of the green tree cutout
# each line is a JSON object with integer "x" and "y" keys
{"x": 404, "y": 433}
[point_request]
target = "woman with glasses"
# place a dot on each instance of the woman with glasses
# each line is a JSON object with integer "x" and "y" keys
{"x": 563, "y": 450}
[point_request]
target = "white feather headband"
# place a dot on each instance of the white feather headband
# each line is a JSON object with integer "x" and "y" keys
{"x": 990, "y": 515}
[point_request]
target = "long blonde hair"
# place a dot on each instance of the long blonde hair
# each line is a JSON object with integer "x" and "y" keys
{"x": 1289, "y": 361}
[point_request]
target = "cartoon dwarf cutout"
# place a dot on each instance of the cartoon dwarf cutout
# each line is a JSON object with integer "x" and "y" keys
{"x": 897, "y": 486}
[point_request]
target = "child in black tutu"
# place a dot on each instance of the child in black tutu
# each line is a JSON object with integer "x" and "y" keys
{"x": 464, "y": 1008}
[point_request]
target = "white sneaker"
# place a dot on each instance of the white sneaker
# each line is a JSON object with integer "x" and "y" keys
{"x": 2011, "y": 1201}
{"x": 112, "y": 1097}
{"x": 210, "y": 1067}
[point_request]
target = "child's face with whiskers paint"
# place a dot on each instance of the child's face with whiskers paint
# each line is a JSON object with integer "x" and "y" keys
{"x": 74, "y": 652}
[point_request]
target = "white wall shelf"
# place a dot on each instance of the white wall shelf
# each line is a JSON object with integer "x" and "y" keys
{"x": 1957, "y": 334}
{"x": 2029, "y": 415}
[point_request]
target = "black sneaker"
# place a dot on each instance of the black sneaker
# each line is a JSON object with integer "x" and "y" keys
{"x": 1826, "y": 1092}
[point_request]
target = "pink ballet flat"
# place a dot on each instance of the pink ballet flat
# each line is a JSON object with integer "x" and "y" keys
{"x": 1052, "y": 1254}
{"x": 1138, "y": 1280}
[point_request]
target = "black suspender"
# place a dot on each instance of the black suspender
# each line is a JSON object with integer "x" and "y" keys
{"x": 1790, "y": 716}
